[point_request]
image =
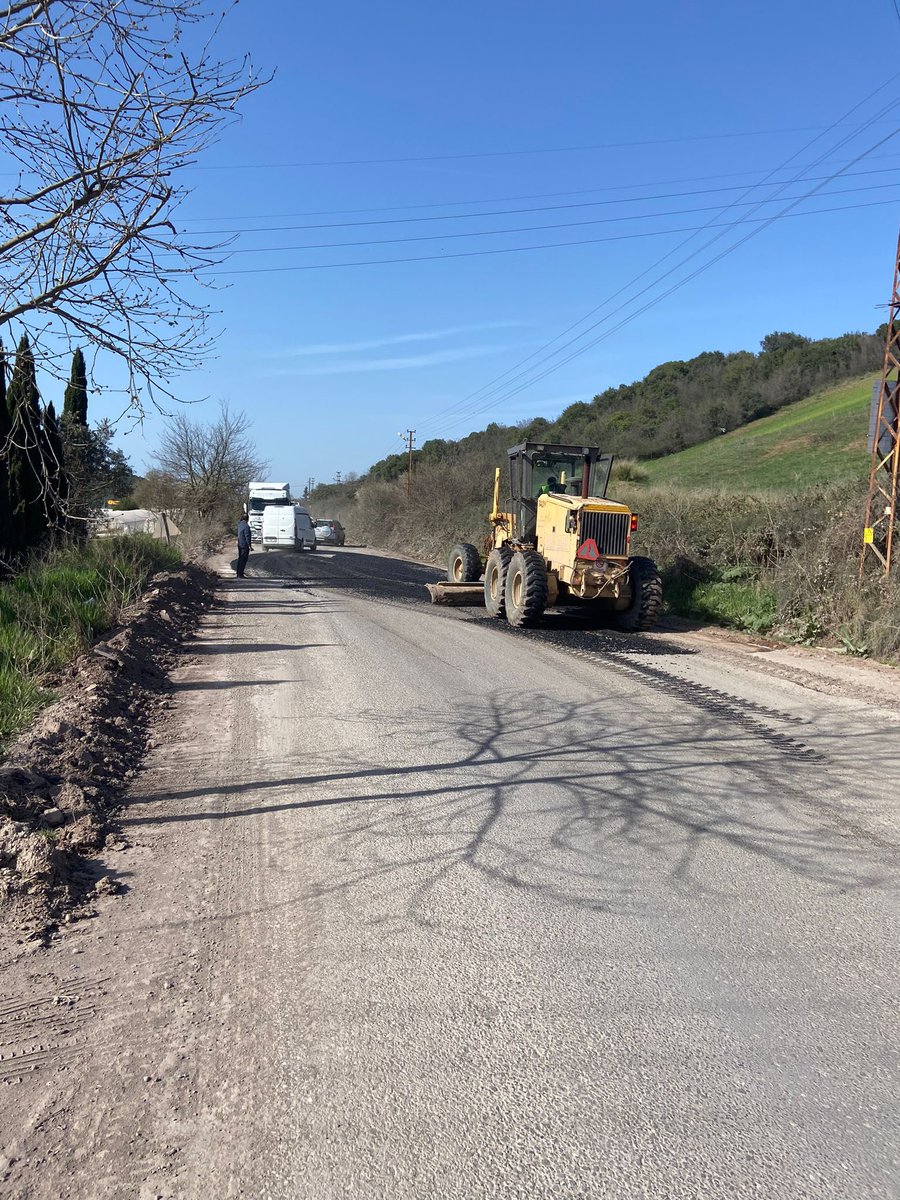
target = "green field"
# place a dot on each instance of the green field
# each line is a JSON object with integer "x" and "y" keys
{"x": 818, "y": 440}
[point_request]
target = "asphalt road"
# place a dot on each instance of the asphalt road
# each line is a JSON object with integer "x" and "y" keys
{"x": 424, "y": 907}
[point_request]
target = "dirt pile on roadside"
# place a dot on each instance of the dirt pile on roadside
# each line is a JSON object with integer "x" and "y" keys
{"x": 63, "y": 778}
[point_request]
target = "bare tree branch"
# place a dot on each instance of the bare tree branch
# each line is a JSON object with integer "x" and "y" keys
{"x": 102, "y": 103}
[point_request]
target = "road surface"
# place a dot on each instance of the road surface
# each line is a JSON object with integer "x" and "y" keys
{"x": 421, "y": 907}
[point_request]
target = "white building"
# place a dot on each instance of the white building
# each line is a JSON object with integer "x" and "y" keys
{"x": 112, "y": 523}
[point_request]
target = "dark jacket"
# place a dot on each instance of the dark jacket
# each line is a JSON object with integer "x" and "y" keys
{"x": 245, "y": 538}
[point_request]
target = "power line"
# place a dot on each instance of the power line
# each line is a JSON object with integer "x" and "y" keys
{"x": 417, "y": 158}
{"x": 527, "y": 378}
{"x": 370, "y": 262}
{"x": 505, "y": 212}
{"x": 644, "y": 308}
{"x": 326, "y": 212}
{"x": 469, "y": 401}
{"x": 476, "y": 233}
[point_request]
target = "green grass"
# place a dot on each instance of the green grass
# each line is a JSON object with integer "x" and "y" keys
{"x": 747, "y": 605}
{"x": 54, "y": 609}
{"x": 820, "y": 440}
{"x": 21, "y": 698}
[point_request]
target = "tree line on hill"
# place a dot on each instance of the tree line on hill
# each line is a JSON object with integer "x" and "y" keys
{"x": 676, "y": 405}
{"x": 54, "y": 470}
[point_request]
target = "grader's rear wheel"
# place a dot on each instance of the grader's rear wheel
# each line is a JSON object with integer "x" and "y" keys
{"x": 526, "y": 588}
{"x": 464, "y": 564}
{"x": 495, "y": 581}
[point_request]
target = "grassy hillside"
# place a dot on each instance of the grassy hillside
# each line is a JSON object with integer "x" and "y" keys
{"x": 820, "y": 440}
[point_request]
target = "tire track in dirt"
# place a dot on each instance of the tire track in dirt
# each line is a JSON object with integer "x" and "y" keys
{"x": 49, "y": 1028}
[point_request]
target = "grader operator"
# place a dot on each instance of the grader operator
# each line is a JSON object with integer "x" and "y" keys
{"x": 561, "y": 541}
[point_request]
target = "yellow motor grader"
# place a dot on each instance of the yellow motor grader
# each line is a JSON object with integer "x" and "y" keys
{"x": 561, "y": 541}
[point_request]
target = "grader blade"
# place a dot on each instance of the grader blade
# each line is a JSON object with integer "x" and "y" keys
{"x": 456, "y": 593}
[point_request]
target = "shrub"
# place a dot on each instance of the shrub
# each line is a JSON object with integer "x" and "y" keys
{"x": 628, "y": 470}
{"x": 57, "y": 605}
{"x": 199, "y": 537}
{"x": 820, "y": 592}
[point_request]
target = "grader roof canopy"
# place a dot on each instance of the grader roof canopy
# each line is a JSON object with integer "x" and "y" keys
{"x": 544, "y": 467}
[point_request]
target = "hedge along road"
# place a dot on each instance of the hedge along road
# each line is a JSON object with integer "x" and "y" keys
{"x": 421, "y": 907}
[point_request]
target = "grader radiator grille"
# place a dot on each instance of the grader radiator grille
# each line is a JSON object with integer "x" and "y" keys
{"x": 609, "y": 531}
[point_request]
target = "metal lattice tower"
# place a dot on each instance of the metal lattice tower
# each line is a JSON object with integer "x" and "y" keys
{"x": 878, "y": 535}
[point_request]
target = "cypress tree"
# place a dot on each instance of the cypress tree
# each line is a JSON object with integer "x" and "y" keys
{"x": 80, "y": 447}
{"x": 28, "y": 455}
{"x": 75, "y": 401}
{"x": 55, "y": 471}
{"x": 7, "y": 542}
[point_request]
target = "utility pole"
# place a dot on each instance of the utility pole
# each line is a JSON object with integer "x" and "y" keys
{"x": 408, "y": 437}
{"x": 878, "y": 534}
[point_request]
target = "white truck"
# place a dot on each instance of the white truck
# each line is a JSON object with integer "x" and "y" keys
{"x": 261, "y": 495}
{"x": 287, "y": 527}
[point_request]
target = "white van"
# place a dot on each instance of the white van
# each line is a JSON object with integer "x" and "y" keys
{"x": 288, "y": 527}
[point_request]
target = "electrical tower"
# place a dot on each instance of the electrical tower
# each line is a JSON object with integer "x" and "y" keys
{"x": 878, "y": 535}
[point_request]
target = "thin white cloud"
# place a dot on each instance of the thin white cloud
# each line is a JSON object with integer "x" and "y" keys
{"x": 401, "y": 363}
{"x": 399, "y": 339}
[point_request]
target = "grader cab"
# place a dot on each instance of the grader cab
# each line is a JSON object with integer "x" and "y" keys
{"x": 558, "y": 541}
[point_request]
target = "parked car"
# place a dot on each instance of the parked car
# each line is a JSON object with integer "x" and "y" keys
{"x": 331, "y": 532}
{"x": 287, "y": 527}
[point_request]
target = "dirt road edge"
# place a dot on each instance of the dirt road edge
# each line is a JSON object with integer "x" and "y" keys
{"x": 62, "y": 780}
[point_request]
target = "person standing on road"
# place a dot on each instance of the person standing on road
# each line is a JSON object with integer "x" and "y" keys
{"x": 244, "y": 542}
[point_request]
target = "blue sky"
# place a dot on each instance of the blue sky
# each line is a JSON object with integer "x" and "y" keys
{"x": 589, "y": 112}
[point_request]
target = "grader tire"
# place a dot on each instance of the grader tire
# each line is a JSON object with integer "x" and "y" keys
{"x": 495, "y": 581}
{"x": 464, "y": 564}
{"x": 526, "y": 588}
{"x": 646, "y": 602}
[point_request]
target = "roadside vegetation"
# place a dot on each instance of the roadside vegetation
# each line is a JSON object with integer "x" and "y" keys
{"x": 757, "y": 528}
{"x": 772, "y": 562}
{"x": 62, "y": 587}
{"x": 90, "y": 221}
{"x": 57, "y": 605}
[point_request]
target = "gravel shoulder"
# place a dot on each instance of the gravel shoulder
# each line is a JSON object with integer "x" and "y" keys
{"x": 421, "y": 907}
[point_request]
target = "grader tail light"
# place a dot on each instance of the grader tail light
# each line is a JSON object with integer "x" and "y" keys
{"x": 634, "y": 521}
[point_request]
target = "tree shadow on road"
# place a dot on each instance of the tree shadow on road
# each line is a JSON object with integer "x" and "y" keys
{"x": 572, "y": 803}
